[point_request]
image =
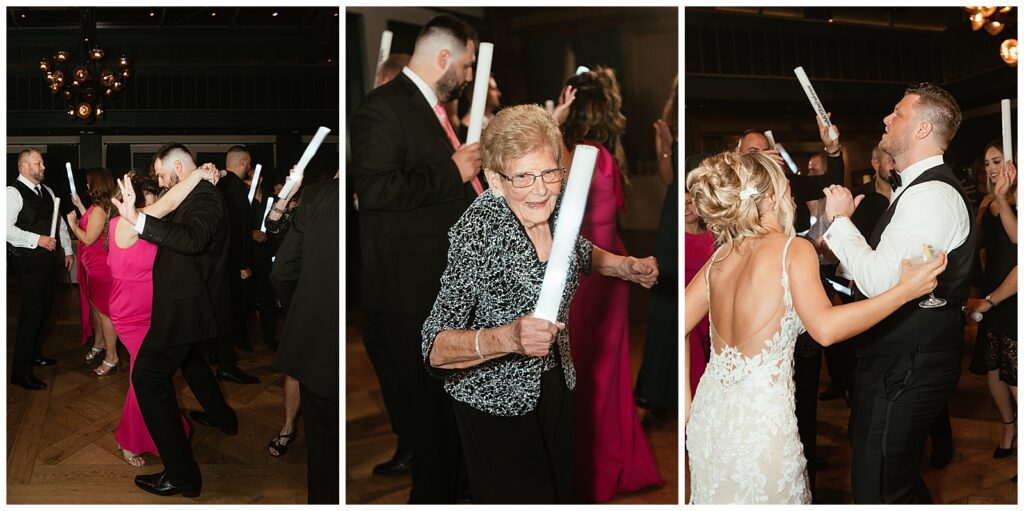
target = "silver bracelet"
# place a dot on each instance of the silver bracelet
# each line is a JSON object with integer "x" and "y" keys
{"x": 477, "y": 343}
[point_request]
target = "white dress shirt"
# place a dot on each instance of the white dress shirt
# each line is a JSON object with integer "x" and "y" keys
{"x": 931, "y": 213}
{"x": 21, "y": 238}
{"x": 428, "y": 93}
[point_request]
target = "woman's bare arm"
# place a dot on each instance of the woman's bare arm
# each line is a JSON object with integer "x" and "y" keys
{"x": 174, "y": 197}
{"x": 93, "y": 227}
{"x": 642, "y": 271}
{"x": 829, "y": 324}
{"x": 125, "y": 235}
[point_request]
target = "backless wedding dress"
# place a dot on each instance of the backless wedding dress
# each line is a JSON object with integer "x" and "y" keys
{"x": 741, "y": 439}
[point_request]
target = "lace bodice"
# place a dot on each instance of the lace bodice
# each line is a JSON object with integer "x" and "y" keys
{"x": 742, "y": 441}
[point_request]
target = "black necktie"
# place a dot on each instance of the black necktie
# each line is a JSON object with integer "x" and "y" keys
{"x": 895, "y": 181}
{"x": 38, "y": 191}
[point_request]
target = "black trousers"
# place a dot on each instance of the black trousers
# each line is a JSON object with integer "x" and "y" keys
{"x": 152, "y": 378}
{"x": 264, "y": 298}
{"x": 320, "y": 420}
{"x": 36, "y": 282}
{"x": 224, "y": 345}
{"x": 526, "y": 459}
{"x": 896, "y": 402}
{"x": 420, "y": 410}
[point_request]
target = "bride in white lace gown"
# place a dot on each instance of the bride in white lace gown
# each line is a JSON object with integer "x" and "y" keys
{"x": 762, "y": 289}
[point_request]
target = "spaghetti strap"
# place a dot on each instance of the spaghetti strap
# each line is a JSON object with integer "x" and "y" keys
{"x": 787, "y": 298}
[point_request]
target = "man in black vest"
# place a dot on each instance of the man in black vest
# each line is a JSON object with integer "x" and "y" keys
{"x": 413, "y": 182}
{"x": 30, "y": 251}
{"x": 909, "y": 364}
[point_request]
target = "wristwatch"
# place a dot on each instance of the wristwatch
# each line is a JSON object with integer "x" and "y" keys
{"x": 988, "y": 298}
{"x": 835, "y": 154}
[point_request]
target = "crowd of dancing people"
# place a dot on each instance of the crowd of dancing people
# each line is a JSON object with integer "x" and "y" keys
{"x": 490, "y": 404}
{"x": 886, "y": 278}
{"x": 171, "y": 262}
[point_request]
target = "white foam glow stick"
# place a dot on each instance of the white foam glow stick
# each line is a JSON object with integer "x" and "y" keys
{"x": 318, "y": 138}
{"x": 263, "y": 224}
{"x": 815, "y": 102}
{"x": 1007, "y": 131}
{"x": 385, "y": 49}
{"x": 567, "y": 229}
{"x": 71, "y": 179}
{"x": 255, "y": 182}
{"x": 481, "y": 82}
{"x": 549, "y": 105}
{"x": 789, "y": 161}
{"x": 53, "y": 222}
{"x": 771, "y": 139}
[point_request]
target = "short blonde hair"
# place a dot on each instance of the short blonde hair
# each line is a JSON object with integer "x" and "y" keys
{"x": 516, "y": 132}
{"x": 716, "y": 186}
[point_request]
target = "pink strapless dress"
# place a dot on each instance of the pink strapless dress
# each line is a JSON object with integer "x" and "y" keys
{"x": 612, "y": 454}
{"x": 95, "y": 281}
{"x": 131, "y": 309}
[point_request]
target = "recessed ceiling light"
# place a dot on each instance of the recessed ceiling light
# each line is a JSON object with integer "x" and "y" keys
{"x": 152, "y": 14}
{"x": 335, "y": 14}
{"x": 275, "y": 14}
{"x": 22, "y": 16}
{"x": 214, "y": 13}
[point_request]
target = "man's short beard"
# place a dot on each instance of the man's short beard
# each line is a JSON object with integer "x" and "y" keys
{"x": 448, "y": 86}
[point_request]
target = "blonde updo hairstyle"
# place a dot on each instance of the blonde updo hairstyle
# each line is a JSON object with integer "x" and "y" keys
{"x": 717, "y": 187}
{"x": 514, "y": 133}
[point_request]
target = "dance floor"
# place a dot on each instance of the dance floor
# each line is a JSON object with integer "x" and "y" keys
{"x": 370, "y": 441}
{"x": 973, "y": 477}
{"x": 60, "y": 441}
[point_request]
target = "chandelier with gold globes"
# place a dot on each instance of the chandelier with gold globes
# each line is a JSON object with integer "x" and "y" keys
{"x": 90, "y": 78}
{"x": 993, "y": 20}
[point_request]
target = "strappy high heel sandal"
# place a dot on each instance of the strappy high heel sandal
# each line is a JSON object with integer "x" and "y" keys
{"x": 93, "y": 353}
{"x": 135, "y": 460}
{"x": 276, "y": 445}
{"x": 106, "y": 368}
{"x": 1002, "y": 453}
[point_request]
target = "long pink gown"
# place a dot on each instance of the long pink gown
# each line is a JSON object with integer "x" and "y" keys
{"x": 95, "y": 281}
{"x": 699, "y": 248}
{"x": 131, "y": 309}
{"x": 612, "y": 454}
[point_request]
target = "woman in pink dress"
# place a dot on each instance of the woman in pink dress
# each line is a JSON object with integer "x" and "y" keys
{"x": 612, "y": 454}
{"x": 94, "y": 279}
{"x": 131, "y": 302}
{"x": 699, "y": 245}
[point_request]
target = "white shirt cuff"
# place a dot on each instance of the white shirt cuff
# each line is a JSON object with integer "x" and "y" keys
{"x": 140, "y": 224}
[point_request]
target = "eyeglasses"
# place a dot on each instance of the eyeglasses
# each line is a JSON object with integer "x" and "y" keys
{"x": 526, "y": 180}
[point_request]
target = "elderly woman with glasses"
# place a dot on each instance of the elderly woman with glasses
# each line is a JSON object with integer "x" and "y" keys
{"x": 511, "y": 374}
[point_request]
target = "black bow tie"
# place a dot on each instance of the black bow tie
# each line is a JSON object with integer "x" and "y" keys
{"x": 895, "y": 181}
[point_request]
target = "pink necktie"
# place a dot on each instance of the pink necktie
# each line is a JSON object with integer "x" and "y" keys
{"x": 442, "y": 116}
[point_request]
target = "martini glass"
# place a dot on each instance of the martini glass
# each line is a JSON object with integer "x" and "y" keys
{"x": 927, "y": 255}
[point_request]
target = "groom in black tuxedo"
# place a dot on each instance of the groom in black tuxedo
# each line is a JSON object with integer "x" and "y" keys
{"x": 189, "y": 303}
{"x": 908, "y": 364}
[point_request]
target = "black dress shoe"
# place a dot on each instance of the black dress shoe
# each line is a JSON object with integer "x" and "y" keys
{"x": 236, "y": 375}
{"x": 399, "y": 464}
{"x": 204, "y": 419}
{"x": 28, "y": 381}
{"x": 159, "y": 484}
{"x": 942, "y": 454}
{"x": 43, "y": 362}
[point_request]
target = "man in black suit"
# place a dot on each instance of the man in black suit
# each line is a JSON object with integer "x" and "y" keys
{"x": 308, "y": 263}
{"x": 189, "y": 303}
{"x": 30, "y": 251}
{"x": 239, "y": 267}
{"x": 413, "y": 182}
{"x": 908, "y": 365}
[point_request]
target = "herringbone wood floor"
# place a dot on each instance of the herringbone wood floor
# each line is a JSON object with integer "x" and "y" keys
{"x": 973, "y": 477}
{"x": 369, "y": 440}
{"x": 60, "y": 441}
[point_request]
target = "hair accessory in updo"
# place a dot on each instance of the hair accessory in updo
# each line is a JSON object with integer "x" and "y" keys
{"x": 748, "y": 192}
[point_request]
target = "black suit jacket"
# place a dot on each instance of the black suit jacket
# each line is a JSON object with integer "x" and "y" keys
{"x": 308, "y": 260}
{"x": 236, "y": 196}
{"x": 190, "y": 294}
{"x": 410, "y": 193}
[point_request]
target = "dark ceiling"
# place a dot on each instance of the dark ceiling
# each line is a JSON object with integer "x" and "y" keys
{"x": 301, "y": 18}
